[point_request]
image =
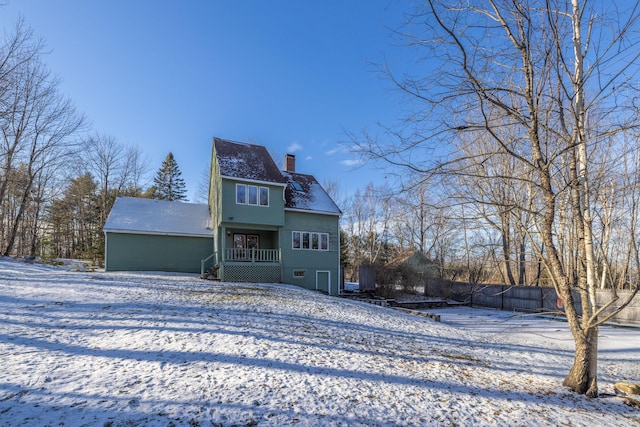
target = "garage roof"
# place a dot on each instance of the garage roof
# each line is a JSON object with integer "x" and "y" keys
{"x": 149, "y": 216}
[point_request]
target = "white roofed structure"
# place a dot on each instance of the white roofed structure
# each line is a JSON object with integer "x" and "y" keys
{"x": 149, "y": 216}
{"x": 157, "y": 235}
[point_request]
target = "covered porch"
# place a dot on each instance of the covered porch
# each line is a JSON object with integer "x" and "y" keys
{"x": 246, "y": 254}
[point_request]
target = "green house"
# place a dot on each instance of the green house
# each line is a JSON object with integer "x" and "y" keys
{"x": 261, "y": 224}
{"x": 271, "y": 225}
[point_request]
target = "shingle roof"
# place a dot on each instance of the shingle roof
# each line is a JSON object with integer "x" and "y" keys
{"x": 303, "y": 192}
{"x": 246, "y": 161}
{"x": 250, "y": 161}
{"x": 148, "y": 216}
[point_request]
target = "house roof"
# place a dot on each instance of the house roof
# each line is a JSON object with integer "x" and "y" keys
{"x": 304, "y": 193}
{"x": 149, "y": 216}
{"x": 246, "y": 161}
{"x": 253, "y": 162}
{"x": 417, "y": 260}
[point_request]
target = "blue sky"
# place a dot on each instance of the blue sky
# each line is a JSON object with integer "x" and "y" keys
{"x": 168, "y": 76}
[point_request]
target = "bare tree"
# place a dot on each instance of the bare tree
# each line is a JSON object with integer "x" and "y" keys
{"x": 37, "y": 126}
{"x": 16, "y": 53}
{"x": 367, "y": 222}
{"x": 117, "y": 168}
{"x": 18, "y": 47}
{"x": 513, "y": 73}
{"x": 495, "y": 193}
{"x": 202, "y": 191}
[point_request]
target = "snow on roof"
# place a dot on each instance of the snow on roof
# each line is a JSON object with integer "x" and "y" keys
{"x": 304, "y": 193}
{"x": 148, "y": 216}
{"x": 246, "y": 161}
{"x": 253, "y": 162}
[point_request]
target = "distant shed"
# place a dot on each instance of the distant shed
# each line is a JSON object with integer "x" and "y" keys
{"x": 157, "y": 235}
{"x": 416, "y": 262}
{"x": 411, "y": 270}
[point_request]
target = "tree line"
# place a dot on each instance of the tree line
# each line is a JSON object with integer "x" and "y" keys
{"x": 58, "y": 182}
{"x": 518, "y": 161}
{"x": 523, "y": 126}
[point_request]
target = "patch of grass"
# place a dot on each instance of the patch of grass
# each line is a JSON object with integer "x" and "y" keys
{"x": 462, "y": 358}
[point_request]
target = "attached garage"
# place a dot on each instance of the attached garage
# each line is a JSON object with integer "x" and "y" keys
{"x": 157, "y": 235}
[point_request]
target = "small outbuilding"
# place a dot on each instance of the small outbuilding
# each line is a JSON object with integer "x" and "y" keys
{"x": 157, "y": 235}
{"x": 409, "y": 271}
{"x": 415, "y": 261}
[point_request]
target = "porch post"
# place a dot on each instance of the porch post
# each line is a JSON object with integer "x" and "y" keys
{"x": 222, "y": 247}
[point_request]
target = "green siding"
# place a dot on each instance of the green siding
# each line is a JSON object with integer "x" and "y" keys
{"x": 141, "y": 252}
{"x": 309, "y": 260}
{"x": 249, "y": 214}
{"x": 215, "y": 190}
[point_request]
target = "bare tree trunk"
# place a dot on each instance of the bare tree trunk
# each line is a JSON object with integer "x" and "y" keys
{"x": 524, "y": 92}
{"x": 13, "y": 233}
{"x": 506, "y": 249}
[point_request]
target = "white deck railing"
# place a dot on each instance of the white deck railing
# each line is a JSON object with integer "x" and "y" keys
{"x": 252, "y": 255}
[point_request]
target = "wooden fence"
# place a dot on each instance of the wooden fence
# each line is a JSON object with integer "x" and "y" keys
{"x": 526, "y": 298}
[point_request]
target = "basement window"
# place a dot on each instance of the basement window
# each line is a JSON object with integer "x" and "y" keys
{"x": 298, "y": 274}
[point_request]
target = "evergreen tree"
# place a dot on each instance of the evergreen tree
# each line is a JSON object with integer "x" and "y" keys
{"x": 168, "y": 184}
{"x": 74, "y": 218}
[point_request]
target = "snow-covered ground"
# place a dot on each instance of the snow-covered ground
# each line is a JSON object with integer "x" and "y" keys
{"x": 116, "y": 349}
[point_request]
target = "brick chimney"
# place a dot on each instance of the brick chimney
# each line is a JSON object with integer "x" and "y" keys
{"x": 289, "y": 162}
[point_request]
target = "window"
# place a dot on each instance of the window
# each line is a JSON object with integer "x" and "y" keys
{"x": 239, "y": 241}
{"x": 307, "y": 240}
{"x": 253, "y": 241}
{"x": 241, "y": 194}
{"x": 264, "y": 196}
{"x": 324, "y": 242}
{"x": 252, "y": 195}
{"x": 298, "y": 274}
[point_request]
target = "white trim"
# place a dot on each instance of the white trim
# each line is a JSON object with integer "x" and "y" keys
{"x": 315, "y": 212}
{"x": 310, "y": 233}
{"x": 328, "y": 279}
{"x": 158, "y": 233}
{"x": 106, "y": 250}
{"x": 339, "y": 263}
{"x": 260, "y": 196}
{"x": 247, "y": 196}
{"x": 253, "y": 181}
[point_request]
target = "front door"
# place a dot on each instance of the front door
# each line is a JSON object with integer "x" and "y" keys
{"x": 244, "y": 245}
{"x": 253, "y": 241}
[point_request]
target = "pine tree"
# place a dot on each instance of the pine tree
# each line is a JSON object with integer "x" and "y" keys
{"x": 167, "y": 184}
